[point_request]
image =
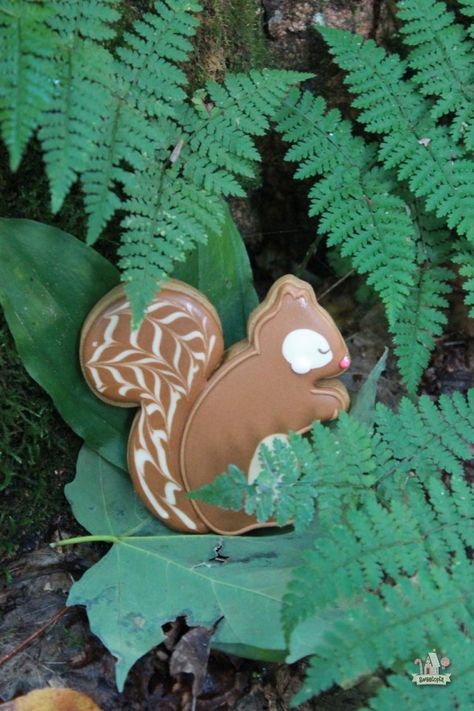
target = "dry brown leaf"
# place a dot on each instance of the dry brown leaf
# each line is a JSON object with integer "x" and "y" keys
{"x": 191, "y": 654}
{"x": 51, "y": 700}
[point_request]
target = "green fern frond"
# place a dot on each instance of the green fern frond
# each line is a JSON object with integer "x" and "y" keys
{"x": 419, "y": 441}
{"x": 126, "y": 139}
{"x": 228, "y": 490}
{"x": 145, "y": 91}
{"x": 220, "y": 136}
{"x": 421, "y": 323}
{"x": 159, "y": 41}
{"x": 467, "y": 9}
{"x": 443, "y": 60}
{"x": 389, "y": 627}
{"x": 166, "y": 218}
{"x": 82, "y": 78}
{"x": 425, "y": 154}
{"x": 424, "y": 316}
{"x": 395, "y": 581}
{"x": 251, "y": 100}
{"x": 26, "y": 80}
{"x": 74, "y": 116}
{"x": 358, "y": 210}
{"x": 464, "y": 257}
{"x": 184, "y": 183}
{"x": 88, "y": 19}
{"x": 377, "y": 541}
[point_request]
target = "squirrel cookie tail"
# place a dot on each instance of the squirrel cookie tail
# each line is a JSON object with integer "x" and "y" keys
{"x": 162, "y": 367}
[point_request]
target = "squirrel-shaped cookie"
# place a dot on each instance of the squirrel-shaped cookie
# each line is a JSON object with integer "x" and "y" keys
{"x": 203, "y": 409}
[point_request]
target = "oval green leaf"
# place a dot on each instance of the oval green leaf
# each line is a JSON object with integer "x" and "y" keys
{"x": 49, "y": 281}
{"x": 152, "y": 575}
{"x": 221, "y": 270}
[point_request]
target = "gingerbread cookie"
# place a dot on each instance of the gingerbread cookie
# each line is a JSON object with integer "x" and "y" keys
{"x": 201, "y": 409}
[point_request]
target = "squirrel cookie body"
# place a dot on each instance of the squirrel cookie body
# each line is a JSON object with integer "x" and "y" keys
{"x": 197, "y": 417}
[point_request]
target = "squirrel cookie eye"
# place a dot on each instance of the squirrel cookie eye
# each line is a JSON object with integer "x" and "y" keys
{"x": 306, "y": 350}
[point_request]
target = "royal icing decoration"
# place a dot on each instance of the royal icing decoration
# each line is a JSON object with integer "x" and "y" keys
{"x": 202, "y": 409}
{"x": 306, "y": 350}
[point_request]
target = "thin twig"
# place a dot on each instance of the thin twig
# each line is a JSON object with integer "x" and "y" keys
{"x": 26, "y": 642}
{"x": 313, "y": 248}
{"x": 336, "y": 284}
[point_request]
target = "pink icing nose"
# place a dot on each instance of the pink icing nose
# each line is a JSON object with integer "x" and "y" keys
{"x": 345, "y": 362}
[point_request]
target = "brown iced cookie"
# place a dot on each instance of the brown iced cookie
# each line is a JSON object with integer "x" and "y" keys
{"x": 278, "y": 380}
{"x": 163, "y": 367}
{"x": 199, "y": 415}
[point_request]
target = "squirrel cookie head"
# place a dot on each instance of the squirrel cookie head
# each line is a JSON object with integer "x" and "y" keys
{"x": 307, "y": 337}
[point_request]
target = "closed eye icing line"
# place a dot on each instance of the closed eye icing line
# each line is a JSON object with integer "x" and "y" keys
{"x": 323, "y": 352}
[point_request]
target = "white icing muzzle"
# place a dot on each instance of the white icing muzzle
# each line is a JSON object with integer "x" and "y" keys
{"x": 306, "y": 350}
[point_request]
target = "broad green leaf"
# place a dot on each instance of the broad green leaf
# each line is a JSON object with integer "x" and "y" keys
{"x": 49, "y": 281}
{"x": 152, "y": 575}
{"x": 221, "y": 270}
{"x": 308, "y": 634}
{"x": 363, "y": 406}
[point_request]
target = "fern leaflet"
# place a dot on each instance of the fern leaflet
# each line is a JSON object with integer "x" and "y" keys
{"x": 424, "y": 153}
{"x": 137, "y": 120}
{"x": 442, "y": 57}
{"x": 26, "y": 79}
{"x": 467, "y": 9}
{"x": 159, "y": 41}
{"x": 424, "y": 315}
{"x": 358, "y": 211}
{"x": 82, "y": 71}
{"x": 464, "y": 257}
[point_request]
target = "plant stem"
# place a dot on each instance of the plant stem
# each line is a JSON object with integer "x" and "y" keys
{"x": 101, "y": 538}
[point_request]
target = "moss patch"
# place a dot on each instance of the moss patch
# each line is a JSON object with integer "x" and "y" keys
{"x": 37, "y": 454}
{"x": 230, "y": 38}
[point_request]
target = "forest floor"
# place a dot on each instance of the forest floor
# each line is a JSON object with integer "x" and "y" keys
{"x": 46, "y": 644}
